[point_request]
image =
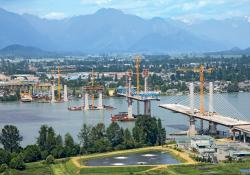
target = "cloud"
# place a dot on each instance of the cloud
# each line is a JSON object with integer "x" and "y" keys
{"x": 54, "y": 15}
{"x": 96, "y": 2}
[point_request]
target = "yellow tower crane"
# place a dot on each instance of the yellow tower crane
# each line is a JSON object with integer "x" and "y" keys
{"x": 137, "y": 66}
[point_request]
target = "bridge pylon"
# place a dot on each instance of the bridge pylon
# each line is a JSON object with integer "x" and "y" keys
{"x": 191, "y": 131}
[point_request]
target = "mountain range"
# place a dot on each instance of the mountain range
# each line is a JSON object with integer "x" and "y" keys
{"x": 111, "y": 30}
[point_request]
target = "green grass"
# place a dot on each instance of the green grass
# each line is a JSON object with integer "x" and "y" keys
{"x": 114, "y": 170}
{"x": 65, "y": 168}
{"x": 203, "y": 169}
{"x": 36, "y": 168}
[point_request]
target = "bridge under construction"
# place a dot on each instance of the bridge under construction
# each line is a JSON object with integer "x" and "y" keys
{"x": 214, "y": 119}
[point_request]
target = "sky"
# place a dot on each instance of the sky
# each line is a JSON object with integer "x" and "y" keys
{"x": 184, "y": 10}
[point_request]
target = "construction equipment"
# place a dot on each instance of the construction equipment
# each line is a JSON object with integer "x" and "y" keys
{"x": 137, "y": 67}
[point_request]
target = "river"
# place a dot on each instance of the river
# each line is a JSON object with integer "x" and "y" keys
{"x": 28, "y": 117}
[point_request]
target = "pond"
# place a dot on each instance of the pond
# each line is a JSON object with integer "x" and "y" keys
{"x": 245, "y": 170}
{"x": 145, "y": 158}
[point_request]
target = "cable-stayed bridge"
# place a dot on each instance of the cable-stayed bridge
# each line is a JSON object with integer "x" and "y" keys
{"x": 230, "y": 118}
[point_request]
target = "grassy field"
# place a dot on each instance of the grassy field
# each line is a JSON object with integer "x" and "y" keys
{"x": 203, "y": 169}
{"x": 75, "y": 166}
{"x": 36, "y": 168}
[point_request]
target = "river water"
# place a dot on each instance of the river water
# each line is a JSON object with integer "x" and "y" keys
{"x": 28, "y": 117}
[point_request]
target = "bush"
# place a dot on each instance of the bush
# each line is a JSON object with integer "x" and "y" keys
{"x": 32, "y": 153}
{"x": 17, "y": 163}
{"x": 50, "y": 159}
{"x": 5, "y": 157}
{"x": 3, "y": 168}
{"x": 44, "y": 154}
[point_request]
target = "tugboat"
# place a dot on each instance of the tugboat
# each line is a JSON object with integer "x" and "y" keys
{"x": 122, "y": 117}
{"x": 75, "y": 108}
{"x": 26, "y": 97}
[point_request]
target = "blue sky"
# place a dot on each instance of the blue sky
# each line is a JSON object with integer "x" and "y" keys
{"x": 185, "y": 10}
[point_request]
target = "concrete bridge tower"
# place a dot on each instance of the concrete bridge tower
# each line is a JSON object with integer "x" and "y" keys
{"x": 192, "y": 130}
{"x": 65, "y": 95}
{"x": 53, "y": 93}
{"x": 212, "y": 125}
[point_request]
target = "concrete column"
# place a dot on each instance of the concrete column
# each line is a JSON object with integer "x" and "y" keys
{"x": 147, "y": 107}
{"x": 233, "y": 135}
{"x": 146, "y": 84}
{"x": 211, "y": 94}
{"x": 86, "y": 107}
{"x": 192, "y": 130}
{"x": 53, "y": 93}
{"x": 138, "y": 107}
{"x": 100, "y": 104}
{"x": 65, "y": 95}
{"x": 130, "y": 109}
{"x": 191, "y": 97}
{"x": 212, "y": 128}
{"x": 244, "y": 137}
{"x": 201, "y": 126}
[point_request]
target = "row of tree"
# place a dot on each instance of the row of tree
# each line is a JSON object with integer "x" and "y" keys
{"x": 148, "y": 131}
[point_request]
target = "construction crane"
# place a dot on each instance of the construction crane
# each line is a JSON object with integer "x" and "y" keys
{"x": 137, "y": 67}
{"x": 201, "y": 70}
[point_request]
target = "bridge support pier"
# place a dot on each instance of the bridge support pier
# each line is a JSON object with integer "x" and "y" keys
{"x": 192, "y": 130}
{"x": 52, "y": 93}
{"x": 130, "y": 109}
{"x": 65, "y": 96}
{"x": 86, "y": 107}
{"x": 100, "y": 105}
{"x": 138, "y": 107}
{"x": 212, "y": 128}
{"x": 201, "y": 126}
{"x": 147, "y": 107}
{"x": 244, "y": 137}
{"x": 233, "y": 135}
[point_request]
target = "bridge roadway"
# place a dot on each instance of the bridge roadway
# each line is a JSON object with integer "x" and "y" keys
{"x": 138, "y": 97}
{"x": 232, "y": 123}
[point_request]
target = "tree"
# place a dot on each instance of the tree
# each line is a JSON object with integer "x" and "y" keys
{"x": 70, "y": 146}
{"x": 128, "y": 140}
{"x": 32, "y": 153}
{"x": 114, "y": 134}
{"x": 17, "y": 163}
{"x": 84, "y": 137}
{"x": 59, "y": 141}
{"x": 145, "y": 130}
{"x": 102, "y": 145}
{"x": 51, "y": 140}
{"x": 42, "y": 138}
{"x": 10, "y": 138}
{"x": 3, "y": 167}
{"x": 97, "y": 132}
{"x": 5, "y": 156}
{"x": 69, "y": 141}
{"x": 161, "y": 133}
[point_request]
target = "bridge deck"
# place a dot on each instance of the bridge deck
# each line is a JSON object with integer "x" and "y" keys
{"x": 139, "y": 98}
{"x": 216, "y": 118}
